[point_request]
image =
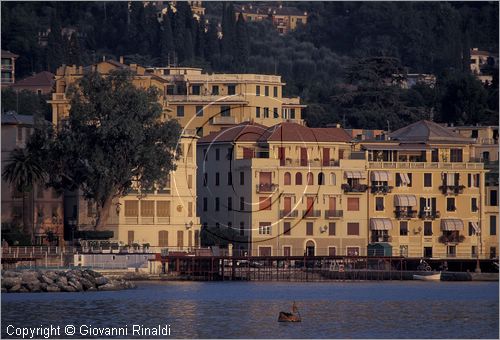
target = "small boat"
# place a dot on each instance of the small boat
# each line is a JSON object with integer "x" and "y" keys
{"x": 432, "y": 277}
{"x": 290, "y": 317}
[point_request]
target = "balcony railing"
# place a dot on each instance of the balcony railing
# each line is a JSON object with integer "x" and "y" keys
{"x": 205, "y": 98}
{"x": 311, "y": 213}
{"x": 425, "y": 165}
{"x": 334, "y": 213}
{"x": 268, "y": 187}
{"x": 311, "y": 163}
{"x": 429, "y": 215}
{"x": 354, "y": 188}
{"x": 381, "y": 189}
{"x": 288, "y": 213}
{"x": 380, "y": 238}
{"x": 451, "y": 238}
{"x": 452, "y": 189}
{"x": 405, "y": 214}
{"x": 223, "y": 120}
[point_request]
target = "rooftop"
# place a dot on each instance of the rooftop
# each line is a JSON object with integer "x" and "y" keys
{"x": 425, "y": 131}
{"x": 43, "y": 78}
{"x": 12, "y": 118}
{"x": 8, "y": 54}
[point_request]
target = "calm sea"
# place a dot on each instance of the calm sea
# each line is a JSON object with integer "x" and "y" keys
{"x": 250, "y": 310}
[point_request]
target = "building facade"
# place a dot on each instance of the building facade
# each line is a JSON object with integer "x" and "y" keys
{"x": 43, "y": 207}
{"x": 483, "y": 65}
{"x": 40, "y": 83}
{"x": 284, "y": 18}
{"x": 8, "y": 68}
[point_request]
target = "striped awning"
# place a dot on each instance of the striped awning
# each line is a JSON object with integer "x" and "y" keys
{"x": 475, "y": 226}
{"x": 451, "y": 224}
{"x": 380, "y": 176}
{"x": 405, "y": 200}
{"x": 405, "y": 179}
{"x": 450, "y": 179}
{"x": 354, "y": 174}
{"x": 380, "y": 224}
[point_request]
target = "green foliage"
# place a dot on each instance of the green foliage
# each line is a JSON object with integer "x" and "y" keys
{"x": 26, "y": 103}
{"x": 114, "y": 138}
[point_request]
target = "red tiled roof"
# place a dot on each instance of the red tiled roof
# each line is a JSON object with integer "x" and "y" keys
{"x": 244, "y": 132}
{"x": 43, "y": 78}
{"x": 293, "y": 132}
{"x": 8, "y": 54}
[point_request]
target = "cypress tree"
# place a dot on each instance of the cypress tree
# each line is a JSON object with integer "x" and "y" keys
{"x": 55, "y": 45}
{"x": 242, "y": 49}
{"x": 74, "y": 50}
{"x": 167, "y": 48}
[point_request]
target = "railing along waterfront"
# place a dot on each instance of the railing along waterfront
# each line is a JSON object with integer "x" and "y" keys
{"x": 426, "y": 165}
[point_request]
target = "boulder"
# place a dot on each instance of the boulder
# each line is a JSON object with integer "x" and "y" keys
{"x": 23, "y": 290}
{"x": 30, "y": 276}
{"x": 92, "y": 289}
{"x": 89, "y": 277}
{"x": 93, "y": 273}
{"x": 67, "y": 288}
{"x": 51, "y": 275}
{"x": 43, "y": 286}
{"x": 11, "y": 273}
{"x": 76, "y": 284}
{"x": 53, "y": 288}
{"x": 32, "y": 286}
{"x": 101, "y": 280}
{"x": 109, "y": 286}
{"x": 15, "y": 289}
{"x": 9, "y": 282}
{"x": 63, "y": 280}
{"x": 45, "y": 279}
{"x": 86, "y": 284}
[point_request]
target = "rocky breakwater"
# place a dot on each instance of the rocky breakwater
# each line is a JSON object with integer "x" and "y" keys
{"x": 75, "y": 280}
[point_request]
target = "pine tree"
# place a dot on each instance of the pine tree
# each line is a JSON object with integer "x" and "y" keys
{"x": 242, "y": 49}
{"x": 74, "y": 52}
{"x": 167, "y": 48}
{"x": 200, "y": 40}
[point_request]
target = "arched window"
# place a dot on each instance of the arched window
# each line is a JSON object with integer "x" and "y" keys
{"x": 288, "y": 178}
{"x": 321, "y": 179}
{"x": 332, "y": 178}
{"x": 163, "y": 238}
{"x": 310, "y": 178}
{"x": 298, "y": 178}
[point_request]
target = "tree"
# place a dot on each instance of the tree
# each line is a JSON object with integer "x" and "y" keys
{"x": 74, "y": 50}
{"x": 23, "y": 171}
{"x": 114, "y": 139}
{"x": 242, "y": 50}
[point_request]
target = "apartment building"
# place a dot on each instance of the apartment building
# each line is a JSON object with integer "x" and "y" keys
{"x": 210, "y": 102}
{"x": 43, "y": 208}
{"x": 289, "y": 189}
{"x": 483, "y": 65}
{"x": 284, "y": 18}
{"x": 8, "y": 68}
{"x": 427, "y": 194}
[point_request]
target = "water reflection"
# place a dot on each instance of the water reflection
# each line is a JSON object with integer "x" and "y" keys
{"x": 250, "y": 310}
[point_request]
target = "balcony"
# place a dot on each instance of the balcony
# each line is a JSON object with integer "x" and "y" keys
{"x": 182, "y": 98}
{"x": 311, "y": 213}
{"x": 381, "y": 189}
{"x": 223, "y": 120}
{"x": 356, "y": 188}
{"x": 266, "y": 188}
{"x": 426, "y": 165}
{"x": 311, "y": 163}
{"x": 452, "y": 189}
{"x": 380, "y": 238}
{"x": 405, "y": 214}
{"x": 288, "y": 213}
{"x": 334, "y": 213}
{"x": 452, "y": 238}
{"x": 429, "y": 215}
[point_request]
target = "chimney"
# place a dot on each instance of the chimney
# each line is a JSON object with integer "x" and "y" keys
{"x": 337, "y": 126}
{"x": 121, "y": 59}
{"x": 103, "y": 58}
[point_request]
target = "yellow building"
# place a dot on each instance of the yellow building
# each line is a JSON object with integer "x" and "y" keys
{"x": 282, "y": 187}
{"x": 482, "y": 64}
{"x": 284, "y": 18}
{"x": 427, "y": 194}
{"x": 209, "y": 102}
{"x": 43, "y": 207}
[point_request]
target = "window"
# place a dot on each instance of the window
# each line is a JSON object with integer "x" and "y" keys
{"x": 493, "y": 225}
{"x": 379, "y": 203}
{"x": 287, "y": 228}
{"x": 493, "y": 197}
{"x": 242, "y": 203}
{"x": 473, "y": 204}
{"x": 298, "y": 178}
{"x": 225, "y": 111}
{"x": 275, "y": 91}
{"x": 332, "y": 179}
{"x": 163, "y": 238}
{"x": 242, "y": 228}
{"x": 215, "y": 90}
{"x": 180, "y": 111}
{"x": 257, "y": 112}
{"x": 455, "y": 155}
{"x": 292, "y": 113}
{"x": 131, "y": 208}
{"x": 205, "y": 203}
{"x": 309, "y": 228}
{"x": 435, "y": 156}
{"x": 190, "y": 209}
{"x": 403, "y": 228}
{"x": 473, "y": 251}
{"x": 217, "y": 154}
{"x": 266, "y": 112}
{"x": 266, "y": 91}
{"x": 472, "y": 231}
{"x": 217, "y": 204}
{"x": 353, "y": 204}
{"x": 229, "y": 178}
{"x": 231, "y": 90}
{"x": 242, "y": 178}
{"x": 190, "y": 182}
{"x": 217, "y": 178}
{"x": 230, "y": 204}
{"x": 352, "y": 251}
{"x": 264, "y": 228}
{"x": 310, "y": 178}
{"x": 427, "y": 180}
{"x": 427, "y": 228}
{"x": 205, "y": 179}
{"x": 130, "y": 237}
{"x": 257, "y": 90}
{"x": 163, "y": 208}
{"x": 265, "y": 203}
{"x": 321, "y": 179}
{"x": 275, "y": 113}
{"x": 428, "y": 252}
{"x": 199, "y": 111}
{"x": 147, "y": 208}
{"x": 287, "y": 251}
{"x": 353, "y": 229}
{"x": 331, "y": 229}
{"x": 195, "y": 89}
{"x": 288, "y": 179}
{"x": 450, "y": 204}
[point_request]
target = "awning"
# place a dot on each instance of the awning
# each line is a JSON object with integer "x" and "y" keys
{"x": 451, "y": 224}
{"x": 354, "y": 174}
{"x": 475, "y": 226}
{"x": 380, "y": 224}
{"x": 405, "y": 179}
{"x": 380, "y": 176}
{"x": 450, "y": 179}
{"x": 405, "y": 200}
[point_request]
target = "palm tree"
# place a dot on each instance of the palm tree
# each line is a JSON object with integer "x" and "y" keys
{"x": 23, "y": 170}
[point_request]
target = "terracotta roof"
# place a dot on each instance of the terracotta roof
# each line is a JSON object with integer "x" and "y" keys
{"x": 425, "y": 131}
{"x": 244, "y": 132}
{"x": 12, "y": 118}
{"x": 43, "y": 78}
{"x": 8, "y": 54}
{"x": 293, "y": 132}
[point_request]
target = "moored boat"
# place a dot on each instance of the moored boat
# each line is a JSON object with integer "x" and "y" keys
{"x": 290, "y": 317}
{"x": 432, "y": 277}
